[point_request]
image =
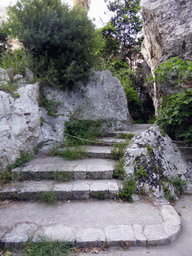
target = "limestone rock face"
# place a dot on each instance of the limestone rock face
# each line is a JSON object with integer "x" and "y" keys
{"x": 167, "y": 30}
{"x": 101, "y": 98}
{"x": 19, "y": 122}
{"x": 152, "y": 158}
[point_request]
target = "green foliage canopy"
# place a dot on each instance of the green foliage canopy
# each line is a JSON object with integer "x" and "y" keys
{"x": 64, "y": 39}
{"x": 127, "y": 23}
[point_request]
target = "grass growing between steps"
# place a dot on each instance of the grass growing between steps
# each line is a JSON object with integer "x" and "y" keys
{"x": 42, "y": 248}
{"x": 128, "y": 136}
{"x": 119, "y": 171}
{"x": 69, "y": 153}
{"x": 47, "y": 197}
{"x": 25, "y": 156}
{"x": 82, "y": 132}
{"x": 128, "y": 188}
{"x": 119, "y": 149}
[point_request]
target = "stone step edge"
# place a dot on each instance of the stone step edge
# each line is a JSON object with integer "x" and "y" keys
{"x": 78, "y": 173}
{"x": 91, "y": 154}
{"x": 62, "y": 190}
{"x": 150, "y": 235}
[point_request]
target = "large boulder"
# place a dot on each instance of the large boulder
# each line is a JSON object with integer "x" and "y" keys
{"x": 102, "y": 98}
{"x": 167, "y": 30}
{"x": 154, "y": 160}
{"x": 19, "y": 122}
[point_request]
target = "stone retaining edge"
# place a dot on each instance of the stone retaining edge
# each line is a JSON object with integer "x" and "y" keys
{"x": 153, "y": 235}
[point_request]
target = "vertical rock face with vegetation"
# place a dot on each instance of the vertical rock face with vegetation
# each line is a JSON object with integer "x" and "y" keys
{"x": 101, "y": 98}
{"x": 19, "y": 120}
{"x": 156, "y": 163}
{"x": 167, "y": 30}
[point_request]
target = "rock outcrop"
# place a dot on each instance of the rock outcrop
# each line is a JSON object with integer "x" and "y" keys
{"x": 24, "y": 125}
{"x": 19, "y": 122}
{"x": 154, "y": 160}
{"x": 101, "y": 98}
{"x": 167, "y": 30}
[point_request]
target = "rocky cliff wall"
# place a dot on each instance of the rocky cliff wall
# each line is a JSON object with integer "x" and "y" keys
{"x": 167, "y": 30}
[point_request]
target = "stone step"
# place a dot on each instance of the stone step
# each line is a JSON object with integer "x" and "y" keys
{"x": 60, "y": 169}
{"x": 103, "y": 152}
{"x": 109, "y": 141}
{"x": 134, "y": 129}
{"x": 73, "y": 190}
{"x": 89, "y": 223}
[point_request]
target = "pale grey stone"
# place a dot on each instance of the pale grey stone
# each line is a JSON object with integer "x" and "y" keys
{"x": 164, "y": 161}
{"x": 90, "y": 236}
{"x": 138, "y": 231}
{"x": 156, "y": 235}
{"x": 80, "y": 172}
{"x": 19, "y": 122}
{"x": 20, "y": 233}
{"x": 115, "y": 235}
{"x": 60, "y": 232}
{"x": 172, "y": 229}
{"x": 19, "y": 79}
{"x": 167, "y": 31}
{"x": 2, "y": 232}
{"x": 29, "y": 76}
{"x": 3, "y": 75}
{"x": 170, "y": 214}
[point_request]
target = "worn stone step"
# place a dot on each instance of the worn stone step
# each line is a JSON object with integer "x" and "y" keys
{"x": 60, "y": 169}
{"x": 73, "y": 190}
{"x": 89, "y": 223}
{"x": 134, "y": 129}
{"x": 103, "y": 152}
{"x": 109, "y": 141}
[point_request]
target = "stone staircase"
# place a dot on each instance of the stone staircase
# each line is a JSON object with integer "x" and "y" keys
{"x": 67, "y": 179}
{"x": 87, "y": 212}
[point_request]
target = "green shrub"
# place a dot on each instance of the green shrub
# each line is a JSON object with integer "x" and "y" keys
{"x": 179, "y": 185}
{"x": 3, "y": 38}
{"x": 63, "y": 38}
{"x": 118, "y": 150}
{"x": 140, "y": 173}
{"x": 10, "y": 88}
{"x": 18, "y": 60}
{"x": 128, "y": 188}
{"x": 119, "y": 171}
{"x": 175, "y": 71}
{"x": 176, "y": 115}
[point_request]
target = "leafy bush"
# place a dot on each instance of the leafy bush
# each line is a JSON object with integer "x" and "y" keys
{"x": 62, "y": 39}
{"x": 3, "y": 38}
{"x": 18, "y": 60}
{"x": 176, "y": 116}
{"x": 175, "y": 71}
